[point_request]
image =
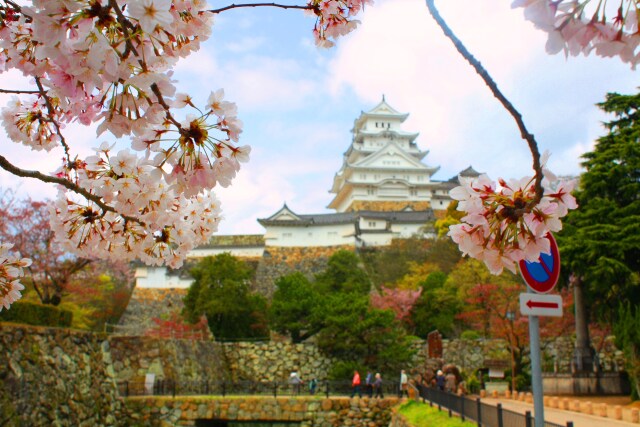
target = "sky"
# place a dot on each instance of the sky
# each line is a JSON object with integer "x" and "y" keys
{"x": 298, "y": 102}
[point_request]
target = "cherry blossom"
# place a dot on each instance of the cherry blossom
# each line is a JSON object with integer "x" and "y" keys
{"x": 587, "y": 26}
{"x": 11, "y": 269}
{"x": 503, "y": 225}
{"x": 334, "y": 18}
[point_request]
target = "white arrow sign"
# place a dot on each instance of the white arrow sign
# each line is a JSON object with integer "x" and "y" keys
{"x": 541, "y": 305}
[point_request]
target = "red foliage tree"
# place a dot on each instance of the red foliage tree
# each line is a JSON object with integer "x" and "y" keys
{"x": 25, "y": 223}
{"x": 495, "y": 310}
{"x": 400, "y": 301}
{"x": 177, "y": 328}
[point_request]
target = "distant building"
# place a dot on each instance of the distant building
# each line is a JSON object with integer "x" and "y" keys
{"x": 382, "y": 191}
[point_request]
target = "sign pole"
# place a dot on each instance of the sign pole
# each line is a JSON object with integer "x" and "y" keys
{"x": 536, "y": 370}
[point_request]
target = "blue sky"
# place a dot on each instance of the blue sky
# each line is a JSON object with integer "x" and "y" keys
{"x": 298, "y": 102}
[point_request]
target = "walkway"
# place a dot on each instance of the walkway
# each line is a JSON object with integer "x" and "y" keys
{"x": 559, "y": 416}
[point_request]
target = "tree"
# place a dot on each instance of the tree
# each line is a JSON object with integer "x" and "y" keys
{"x": 221, "y": 292}
{"x": 344, "y": 273}
{"x": 399, "y": 301}
{"x": 494, "y": 309}
{"x": 437, "y": 306}
{"x": 293, "y": 308}
{"x": 25, "y": 222}
{"x": 354, "y": 332}
{"x": 599, "y": 245}
{"x": 627, "y": 332}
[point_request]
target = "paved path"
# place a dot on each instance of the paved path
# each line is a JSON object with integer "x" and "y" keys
{"x": 560, "y": 416}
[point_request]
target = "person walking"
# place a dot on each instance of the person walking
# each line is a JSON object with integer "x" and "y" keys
{"x": 377, "y": 385}
{"x": 295, "y": 382}
{"x": 404, "y": 384}
{"x": 313, "y": 384}
{"x": 440, "y": 380}
{"x": 355, "y": 384}
{"x": 368, "y": 384}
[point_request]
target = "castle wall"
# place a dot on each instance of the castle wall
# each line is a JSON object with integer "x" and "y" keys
{"x": 278, "y": 262}
{"x": 60, "y": 377}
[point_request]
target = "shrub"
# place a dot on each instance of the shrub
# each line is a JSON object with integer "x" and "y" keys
{"x": 37, "y": 314}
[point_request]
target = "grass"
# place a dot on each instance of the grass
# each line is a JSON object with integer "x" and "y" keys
{"x": 422, "y": 415}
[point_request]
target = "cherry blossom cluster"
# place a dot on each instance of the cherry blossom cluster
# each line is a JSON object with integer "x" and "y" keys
{"x": 503, "y": 224}
{"x": 583, "y": 26}
{"x": 109, "y": 63}
{"x": 11, "y": 269}
{"x": 335, "y": 18}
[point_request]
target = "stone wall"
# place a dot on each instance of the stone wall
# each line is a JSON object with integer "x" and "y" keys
{"x": 277, "y": 262}
{"x": 274, "y": 361}
{"x": 308, "y": 411}
{"x": 365, "y": 205}
{"x": 147, "y": 303}
{"x": 187, "y": 360}
{"x": 556, "y": 354}
{"x": 56, "y": 377}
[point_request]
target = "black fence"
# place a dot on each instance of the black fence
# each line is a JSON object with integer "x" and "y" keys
{"x": 475, "y": 410}
{"x": 170, "y": 387}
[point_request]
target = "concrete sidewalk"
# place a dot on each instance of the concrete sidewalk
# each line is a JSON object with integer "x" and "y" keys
{"x": 559, "y": 416}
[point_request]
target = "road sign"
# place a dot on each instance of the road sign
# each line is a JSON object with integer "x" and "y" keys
{"x": 542, "y": 275}
{"x": 540, "y": 305}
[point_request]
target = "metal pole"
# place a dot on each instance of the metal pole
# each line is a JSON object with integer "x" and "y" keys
{"x": 536, "y": 370}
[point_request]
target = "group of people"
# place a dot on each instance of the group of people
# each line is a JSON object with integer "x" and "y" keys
{"x": 373, "y": 385}
{"x": 296, "y": 383}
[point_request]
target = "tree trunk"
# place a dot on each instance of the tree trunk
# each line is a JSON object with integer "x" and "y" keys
{"x": 583, "y": 353}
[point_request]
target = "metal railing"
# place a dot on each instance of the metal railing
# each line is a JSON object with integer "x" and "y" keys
{"x": 171, "y": 387}
{"x": 482, "y": 413}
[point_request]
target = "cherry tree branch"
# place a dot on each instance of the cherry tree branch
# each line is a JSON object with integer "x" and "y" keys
{"x": 281, "y": 6}
{"x": 52, "y": 112}
{"x": 15, "y": 91}
{"x": 9, "y": 167}
{"x": 482, "y": 72}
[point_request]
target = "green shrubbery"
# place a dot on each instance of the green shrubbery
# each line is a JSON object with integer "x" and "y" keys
{"x": 36, "y": 314}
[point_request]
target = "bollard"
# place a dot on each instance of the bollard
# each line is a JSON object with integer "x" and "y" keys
{"x": 507, "y": 394}
{"x": 617, "y": 412}
{"x": 575, "y": 405}
{"x": 586, "y": 408}
{"x": 483, "y": 393}
{"x": 601, "y": 409}
{"x": 494, "y": 394}
{"x": 565, "y": 404}
{"x": 528, "y": 398}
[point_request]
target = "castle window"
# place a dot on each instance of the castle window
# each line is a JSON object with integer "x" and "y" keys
{"x": 372, "y": 224}
{"x": 287, "y": 235}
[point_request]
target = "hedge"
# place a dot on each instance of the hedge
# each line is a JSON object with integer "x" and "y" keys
{"x": 37, "y": 314}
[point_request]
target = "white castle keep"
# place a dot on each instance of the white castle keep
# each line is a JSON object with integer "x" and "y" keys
{"x": 382, "y": 191}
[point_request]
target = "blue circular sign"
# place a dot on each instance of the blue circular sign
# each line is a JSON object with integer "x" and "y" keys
{"x": 542, "y": 275}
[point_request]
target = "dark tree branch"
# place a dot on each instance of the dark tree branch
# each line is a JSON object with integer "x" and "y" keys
{"x": 9, "y": 167}
{"x": 281, "y": 6}
{"x": 482, "y": 72}
{"x": 52, "y": 111}
{"x": 31, "y": 92}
